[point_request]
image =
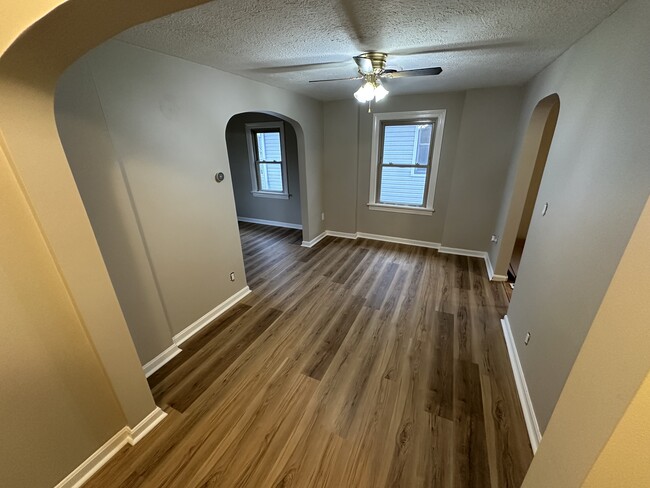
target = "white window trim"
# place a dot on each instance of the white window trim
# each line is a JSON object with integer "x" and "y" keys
{"x": 378, "y": 118}
{"x": 251, "y": 159}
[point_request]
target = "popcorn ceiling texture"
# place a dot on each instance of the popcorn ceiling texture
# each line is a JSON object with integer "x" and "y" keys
{"x": 478, "y": 43}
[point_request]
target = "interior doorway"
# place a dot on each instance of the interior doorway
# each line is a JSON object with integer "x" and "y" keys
{"x": 263, "y": 159}
{"x": 532, "y": 162}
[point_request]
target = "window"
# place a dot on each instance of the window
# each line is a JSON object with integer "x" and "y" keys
{"x": 267, "y": 159}
{"x": 405, "y": 156}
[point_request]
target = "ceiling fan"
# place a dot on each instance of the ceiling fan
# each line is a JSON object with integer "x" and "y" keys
{"x": 372, "y": 68}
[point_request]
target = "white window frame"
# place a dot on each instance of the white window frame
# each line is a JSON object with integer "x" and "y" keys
{"x": 250, "y": 128}
{"x": 438, "y": 116}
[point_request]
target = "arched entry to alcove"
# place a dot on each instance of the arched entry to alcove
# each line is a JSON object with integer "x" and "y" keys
{"x": 530, "y": 170}
{"x": 265, "y": 173}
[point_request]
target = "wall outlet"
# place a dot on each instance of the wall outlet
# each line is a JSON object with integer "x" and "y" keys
{"x": 232, "y": 276}
{"x": 322, "y": 216}
{"x": 527, "y": 339}
{"x": 494, "y": 238}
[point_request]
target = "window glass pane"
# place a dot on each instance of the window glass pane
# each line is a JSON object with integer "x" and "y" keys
{"x": 268, "y": 146}
{"x": 270, "y": 176}
{"x": 406, "y": 143}
{"x": 424, "y": 143}
{"x": 402, "y": 186}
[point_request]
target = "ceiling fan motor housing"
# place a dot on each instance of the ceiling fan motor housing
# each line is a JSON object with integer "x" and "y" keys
{"x": 378, "y": 61}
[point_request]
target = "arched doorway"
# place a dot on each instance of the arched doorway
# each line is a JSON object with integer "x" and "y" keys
{"x": 530, "y": 169}
{"x": 265, "y": 173}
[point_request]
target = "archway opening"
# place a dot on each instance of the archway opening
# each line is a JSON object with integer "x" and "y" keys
{"x": 263, "y": 154}
{"x": 547, "y": 132}
{"x": 530, "y": 171}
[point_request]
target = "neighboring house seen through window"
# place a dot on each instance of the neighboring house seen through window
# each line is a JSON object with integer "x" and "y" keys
{"x": 405, "y": 156}
{"x": 267, "y": 159}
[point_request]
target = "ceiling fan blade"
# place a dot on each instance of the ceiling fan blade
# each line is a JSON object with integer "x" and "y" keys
{"x": 364, "y": 64}
{"x": 458, "y": 47}
{"x": 413, "y": 72}
{"x": 338, "y": 79}
{"x": 299, "y": 67}
{"x": 351, "y": 17}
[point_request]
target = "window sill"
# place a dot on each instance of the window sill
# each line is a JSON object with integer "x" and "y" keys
{"x": 400, "y": 209}
{"x": 269, "y": 194}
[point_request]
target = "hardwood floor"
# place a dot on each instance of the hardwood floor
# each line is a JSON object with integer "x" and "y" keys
{"x": 352, "y": 364}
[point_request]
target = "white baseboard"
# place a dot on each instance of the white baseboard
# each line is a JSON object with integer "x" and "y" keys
{"x": 462, "y": 252}
{"x": 101, "y": 456}
{"x": 411, "y": 242}
{"x": 398, "y": 240}
{"x": 145, "y": 426}
{"x": 274, "y": 223}
{"x": 532, "y": 426}
{"x": 343, "y": 235}
{"x": 207, "y": 319}
{"x": 161, "y": 359}
{"x": 475, "y": 254}
{"x": 315, "y": 240}
{"x": 493, "y": 277}
{"x": 382, "y": 238}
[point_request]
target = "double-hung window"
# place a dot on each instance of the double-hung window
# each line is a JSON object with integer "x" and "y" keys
{"x": 405, "y": 156}
{"x": 267, "y": 159}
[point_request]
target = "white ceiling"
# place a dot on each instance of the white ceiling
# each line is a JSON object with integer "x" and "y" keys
{"x": 478, "y": 43}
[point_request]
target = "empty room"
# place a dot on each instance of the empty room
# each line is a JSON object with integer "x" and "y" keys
{"x": 344, "y": 244}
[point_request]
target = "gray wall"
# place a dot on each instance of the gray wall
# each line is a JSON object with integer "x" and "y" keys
{"x": 275, "y": 209}
{"x": 485, "y": 145}
{"x": 340, "y": 158}
{"x": 477, "y": 147}
{"x": 100, "y": 177}
{"x": 145, "y": 134}
{"x": 597, "y": 179}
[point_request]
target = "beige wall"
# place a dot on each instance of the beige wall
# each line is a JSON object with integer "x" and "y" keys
{"x": 167, "y": 119}
{"x": 275, "y": 209}
{"x": 70, "y": 374}
{"x": 476, "y": 150}
{"x": 601, "y": 409}
{"x": 597, "y": 179}
{"x": 55, "y": 397}
{"x": 623, "y": 461}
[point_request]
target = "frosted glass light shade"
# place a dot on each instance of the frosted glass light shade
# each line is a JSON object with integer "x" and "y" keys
{"x": 380, "y": 92}
{"x": 365, "y": 93}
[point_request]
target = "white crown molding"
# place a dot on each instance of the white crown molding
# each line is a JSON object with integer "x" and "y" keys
{"x": 315, "y": 240}
{"x": 273, "y": 223}
{"x": 532, "y": 426}
{"x": 101, "y": 456}
{"x": 161, "y": 359}
{"x": 207, "y": 319}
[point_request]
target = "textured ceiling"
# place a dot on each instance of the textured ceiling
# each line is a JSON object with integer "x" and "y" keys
{"x": 478, "y": 43}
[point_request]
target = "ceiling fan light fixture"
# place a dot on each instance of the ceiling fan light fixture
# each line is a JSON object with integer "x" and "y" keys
{"x": 380, "y": 92}
{"x": 365, "y": 93}
{"x": 372, "y": 89}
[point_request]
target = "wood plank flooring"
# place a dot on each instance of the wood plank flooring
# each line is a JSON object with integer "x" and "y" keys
{"x": 352, "y": 364}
